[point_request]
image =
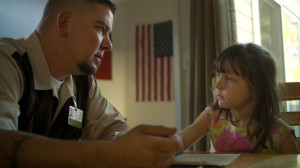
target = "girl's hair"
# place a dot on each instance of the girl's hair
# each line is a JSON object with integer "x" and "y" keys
{"x": 258, "y": 68}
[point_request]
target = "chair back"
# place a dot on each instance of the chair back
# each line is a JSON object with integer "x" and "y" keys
{"x": 290, "y": 91}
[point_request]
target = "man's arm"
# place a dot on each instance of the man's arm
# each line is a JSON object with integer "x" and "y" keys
{"x": 143, "y": 146}
{"x": 117, "y": 127}
{"x": 20, "y": 149}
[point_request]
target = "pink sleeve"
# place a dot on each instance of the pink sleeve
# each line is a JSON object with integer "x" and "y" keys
{"x": 208, "y": 115}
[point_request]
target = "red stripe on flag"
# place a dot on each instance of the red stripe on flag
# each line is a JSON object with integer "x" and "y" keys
{"x": 162, "y": 76}
{"x": 153, "y": 74}
{"x": 169, "y": 77}
{"x": 143, "y": 63}
{"x": 137, "y": 62}
{"x": 149, "y": 61}
{"x": 155, "y": 79}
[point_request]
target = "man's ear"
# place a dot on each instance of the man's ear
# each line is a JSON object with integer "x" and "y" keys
{"x": 62, "y": 23}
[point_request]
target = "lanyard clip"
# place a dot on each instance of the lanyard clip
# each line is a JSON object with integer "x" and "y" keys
{"x": 74, "y": 100}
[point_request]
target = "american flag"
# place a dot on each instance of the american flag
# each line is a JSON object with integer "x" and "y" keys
{"x": 154, "y": 62}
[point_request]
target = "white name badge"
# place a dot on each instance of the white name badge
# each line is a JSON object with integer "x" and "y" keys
{"x": 75, "y": 117}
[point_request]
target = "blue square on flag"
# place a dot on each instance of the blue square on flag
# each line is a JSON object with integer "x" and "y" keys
{"x": 163, "y": 39}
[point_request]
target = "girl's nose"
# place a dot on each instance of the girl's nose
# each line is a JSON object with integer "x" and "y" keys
{"x": 218, "y": 83}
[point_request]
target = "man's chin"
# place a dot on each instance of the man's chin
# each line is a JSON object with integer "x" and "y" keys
{"x": 86, "y": 69}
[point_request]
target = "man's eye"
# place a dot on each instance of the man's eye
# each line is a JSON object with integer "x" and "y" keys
{"x": 100, "y": 28}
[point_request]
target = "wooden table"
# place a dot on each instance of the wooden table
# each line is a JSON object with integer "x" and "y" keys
{"x": 266, "y": 161}
{"x": 247, "y": 160}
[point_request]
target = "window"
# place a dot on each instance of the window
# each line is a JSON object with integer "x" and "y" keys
{"x": 275, "y": 25}
{"x": 271, "y": 32}
{"x": 291, "y": 52}
{"x": 291, "y": 29}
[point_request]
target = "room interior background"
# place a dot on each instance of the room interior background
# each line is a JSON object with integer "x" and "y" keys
{"x": 201, "y": 29}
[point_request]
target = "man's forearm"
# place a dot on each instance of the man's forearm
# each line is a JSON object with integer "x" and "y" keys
{"x": 110, "y": 132}
{"x": 12, "y": 151}
{"x": 19, "y": 149}
{"x": 142, "y": 146}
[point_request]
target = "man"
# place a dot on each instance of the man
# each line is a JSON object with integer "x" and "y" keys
{"x": 47, "y": 94}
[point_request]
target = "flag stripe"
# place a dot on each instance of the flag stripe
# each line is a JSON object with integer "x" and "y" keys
{"x": 162, "y": 76}
{"x": 143, "y": 63}
{"x": 154, "y": 77}
{"x": 149, "y": 61}
{"x": 137, "y": 62}
{"x": 169, "y": 77}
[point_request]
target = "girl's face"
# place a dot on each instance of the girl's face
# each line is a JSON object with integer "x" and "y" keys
{"x": 233, "y": 91}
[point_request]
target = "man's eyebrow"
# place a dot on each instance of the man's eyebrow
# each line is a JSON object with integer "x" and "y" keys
{"x": 103, "y": 23}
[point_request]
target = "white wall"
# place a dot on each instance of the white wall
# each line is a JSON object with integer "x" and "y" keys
{"x": 182, "y": 52}
{"x": 128, "y": 15}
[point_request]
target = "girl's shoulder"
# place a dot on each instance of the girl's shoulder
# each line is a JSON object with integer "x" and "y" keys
{"x": 281, "y": 126}
{"x": 212, "y": 114}
{"x": 279, "y": 132}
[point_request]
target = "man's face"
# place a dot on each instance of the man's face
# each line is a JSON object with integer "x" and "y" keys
{"x": 89, "y": 38}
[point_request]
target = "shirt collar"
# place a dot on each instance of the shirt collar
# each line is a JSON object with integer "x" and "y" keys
{"x": 41, "y": 71}
{"x": 42, "y": 75}
{"x": 40, "y": 68}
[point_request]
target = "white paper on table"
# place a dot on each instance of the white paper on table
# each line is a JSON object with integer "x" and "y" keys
{"x": 205, "y": 159}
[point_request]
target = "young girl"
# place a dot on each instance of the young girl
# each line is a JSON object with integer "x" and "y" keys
{"x": 245, "y": 114}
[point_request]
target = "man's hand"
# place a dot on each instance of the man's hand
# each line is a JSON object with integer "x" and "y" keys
{"x": 146, "y": 146}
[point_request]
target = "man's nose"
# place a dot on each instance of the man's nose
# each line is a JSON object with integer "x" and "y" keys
{"x": 106, "y": 44}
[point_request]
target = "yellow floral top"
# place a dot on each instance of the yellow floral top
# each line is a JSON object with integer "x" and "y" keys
{"x": 225, "y": 137}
